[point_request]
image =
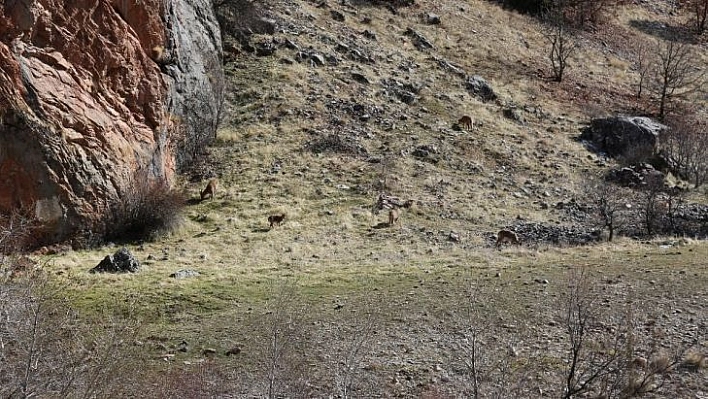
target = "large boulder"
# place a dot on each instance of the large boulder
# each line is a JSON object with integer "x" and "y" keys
{"x": 96, "y": 97}
{"x": 122, "y": 261}
{"x": 624, "y": 135}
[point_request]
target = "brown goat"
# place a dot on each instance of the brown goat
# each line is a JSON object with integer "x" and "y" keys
{"x": 506, "y": 236}
{"x": 466, "y": 122}
{"x": 275, "y": 220}
{"x": 209, "y": 190}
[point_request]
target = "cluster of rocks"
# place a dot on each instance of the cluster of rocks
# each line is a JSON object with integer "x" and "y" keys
{"x": 123, "y": 261}
{"x": 538, "y": 233}
{"x": 635, "y": 176}
{"x": 120, "y": 262}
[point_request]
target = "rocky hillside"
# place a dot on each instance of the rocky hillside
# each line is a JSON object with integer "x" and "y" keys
{"x": 98, "y": 100}
{"x": 374, "y": 91}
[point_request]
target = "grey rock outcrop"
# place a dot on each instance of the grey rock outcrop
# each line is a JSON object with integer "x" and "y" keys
{"x": 88, "y": 114}
{"x": 619, "y": 135}
{"x": 478, "y": 87}
{"x": 195, "y": 80}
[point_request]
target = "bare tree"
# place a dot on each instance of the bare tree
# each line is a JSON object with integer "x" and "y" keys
{"x": 584, "y": 12}
{"x": 48, "y": 351}
{"x": 284, "y": 360}
{"x": 699, "y": 13}
{"x": 676, "y": 73}
{"x": 610, "y": 202}
{"x": 356, "y": 344}
{"x": 560, "y": 38}
{"x": 643, "y": 64}
{"x": 686, "y": 146}
{"x": 585, "y": 367}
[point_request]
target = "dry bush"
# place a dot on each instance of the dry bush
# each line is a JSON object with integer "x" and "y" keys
{"x": 488, "y": 359}
{"x": 148, "y": 208}
{"x": 48, "y": 350}
{"x": 390, "y": 4}
{"x": 205, "y": 379}
{"x": 285, "y": 338}
{"x": 578, "y": 13}
{"x": 337, "y": 144}
{"x": 561, "y": 39}
{"x": 16, "y": 232}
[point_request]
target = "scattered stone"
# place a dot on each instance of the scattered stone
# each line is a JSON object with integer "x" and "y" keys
{"x": 635, "y": 176}
{"x": 454, "y": 237}
{"x": 426, "y": 152}
{"x": 431, "y": 19}
{"x": 515, "y": 115}
{"x": 369, "y": 34}
{"x": 233, "y": 351}
{"x": 185, "y": 273}
{"x": 120, "y": 262}
{"x": 419, "y": 41}
{"x": 359, "y": 78}
{"x": 265, "y": 49}
{"x": 479, "y": 87}
{"x": 209, "y": 352}
{"x": 337, "y": 16}
{"x": 183, "y": 346}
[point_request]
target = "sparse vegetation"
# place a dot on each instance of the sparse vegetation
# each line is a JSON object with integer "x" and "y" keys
{"x": 331, "y": 304}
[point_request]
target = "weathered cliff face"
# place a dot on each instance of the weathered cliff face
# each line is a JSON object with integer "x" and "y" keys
{"x": 96, "y": 94}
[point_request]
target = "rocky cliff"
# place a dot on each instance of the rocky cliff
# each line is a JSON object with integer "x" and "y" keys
{"x": 97, "y": 96}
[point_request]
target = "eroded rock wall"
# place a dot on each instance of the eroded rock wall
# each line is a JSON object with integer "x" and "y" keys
{"x": 88, "y": 102}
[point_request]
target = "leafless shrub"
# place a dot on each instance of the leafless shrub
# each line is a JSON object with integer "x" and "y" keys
{"x": 560, "y": 38}
{"x": 644, "y": 64}
{"x": 685, "y": 144}
{"x": 285, "y": 352}
{"x": 355, "y": 338}
{"x": 602, "y": 357}
{"x": 589, "y": 12}
{"x": 610, "y": 204}
{"x": 493, "y": 371}
{"x": 147, "y": 208}
{"x": 652, "y": 206}
{"x": 202, "y": 380}
{"x": 47, "y": 350}
{"x": 15, "y": 233}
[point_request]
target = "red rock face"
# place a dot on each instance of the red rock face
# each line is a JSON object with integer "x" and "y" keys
{"x": 81, "y": 107}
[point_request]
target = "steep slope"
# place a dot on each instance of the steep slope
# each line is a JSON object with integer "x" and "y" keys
{"x": 86, "y": 112}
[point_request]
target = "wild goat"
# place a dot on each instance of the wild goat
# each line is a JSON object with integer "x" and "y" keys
{"x": 209, "y": 190}
{"x": 506, "y": 236}
{"x": 393, "y": 204}
{"x": 466, "y": 123}
{"x": 275, "y": 220}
